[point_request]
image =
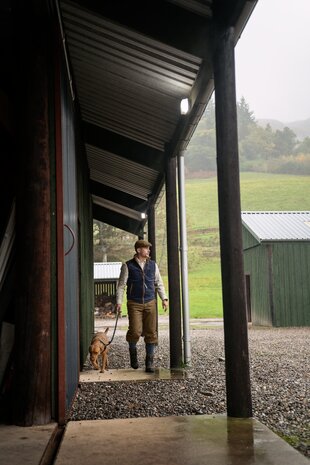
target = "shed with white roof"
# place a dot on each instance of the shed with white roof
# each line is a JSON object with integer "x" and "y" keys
{"x": 276, "y": 247}
{"x": 106, "y": 276}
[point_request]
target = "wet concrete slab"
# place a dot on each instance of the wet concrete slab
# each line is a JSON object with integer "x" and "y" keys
{"x": 128, "y": 374}
{"x": 177, "y": 440}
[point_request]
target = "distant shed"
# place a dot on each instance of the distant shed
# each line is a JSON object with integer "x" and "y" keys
{"x": 276, "y": 249}
{"x": 106, "y": 276}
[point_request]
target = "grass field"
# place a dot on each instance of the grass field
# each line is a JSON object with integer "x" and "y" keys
{"x": 259, "y": 192}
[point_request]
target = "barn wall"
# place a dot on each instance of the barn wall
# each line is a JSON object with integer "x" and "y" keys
{"x": 256, "y": 265}
{"x": 291, "y": 271}
{"x": 279, "y": 281}
{"x": 71, "y": 243}
{"x": 86, "y": 256}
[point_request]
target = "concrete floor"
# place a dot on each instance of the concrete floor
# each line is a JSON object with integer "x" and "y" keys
{"x": 24, "y": 445}
{"x": 128, "y": 374}
{"x": 175, "y": 440}
{"x": 181, "y": 440}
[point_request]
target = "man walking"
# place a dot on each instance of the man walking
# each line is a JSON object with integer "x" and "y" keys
{"x": 142, "y": 277}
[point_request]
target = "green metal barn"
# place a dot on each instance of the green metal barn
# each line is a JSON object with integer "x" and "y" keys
{"x": 276, "y": 248}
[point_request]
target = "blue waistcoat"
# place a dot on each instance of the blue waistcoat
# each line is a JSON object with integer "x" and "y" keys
{"x": 141, "y": 283}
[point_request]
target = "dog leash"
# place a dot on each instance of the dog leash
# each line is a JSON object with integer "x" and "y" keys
{"x": 116, "y": 320}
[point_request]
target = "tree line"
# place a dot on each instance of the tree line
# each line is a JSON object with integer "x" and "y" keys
{"x": 260, "y": 148}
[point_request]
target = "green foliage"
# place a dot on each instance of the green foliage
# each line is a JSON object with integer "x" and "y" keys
{"x": 257, "y": 145}
{"x": 303, "y": 147}
{"x": 246, "y": 120}
{"x": 284, "y": 141}
{"x": 201, "y": 153}
{"x": 260, "y": 149}
{"x": 111, "y": 244}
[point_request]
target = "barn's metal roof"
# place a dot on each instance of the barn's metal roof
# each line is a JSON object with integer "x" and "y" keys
{"x": 131, "y": 63}
{"x": 278, "y": 225}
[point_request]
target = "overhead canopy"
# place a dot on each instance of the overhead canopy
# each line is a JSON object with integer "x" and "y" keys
{"x": 132, "y": 63}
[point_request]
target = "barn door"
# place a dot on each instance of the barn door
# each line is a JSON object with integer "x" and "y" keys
{"x": 248, "y": 297}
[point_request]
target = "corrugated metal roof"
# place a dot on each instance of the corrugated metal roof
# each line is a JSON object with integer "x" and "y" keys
{"x": 131, "y": 64}
{"x": 278, "y": 225}
{"x": 201, "y": 7}
{"x": 120, "y": 173}
{"x": 107, "y": 270}
{"x": 127, "y": 83}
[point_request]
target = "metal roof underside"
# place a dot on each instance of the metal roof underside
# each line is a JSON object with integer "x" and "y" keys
{"x": 131, "y": 64}
{"x": 278, "y": 226}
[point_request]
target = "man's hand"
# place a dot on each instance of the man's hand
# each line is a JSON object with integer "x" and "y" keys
{"x": 165, "y": 304}
{"x": 118, "y": 308}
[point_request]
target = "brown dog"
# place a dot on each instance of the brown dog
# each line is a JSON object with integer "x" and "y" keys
{"x": 99, "y": 346}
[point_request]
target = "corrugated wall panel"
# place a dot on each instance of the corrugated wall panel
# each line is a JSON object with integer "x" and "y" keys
{"x": 292, "y": 283}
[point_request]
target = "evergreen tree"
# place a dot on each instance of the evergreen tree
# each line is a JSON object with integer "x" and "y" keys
{"x": 303, "y": 147}
{"x": 285, "y": 142}
{"x": 246, "y": 120}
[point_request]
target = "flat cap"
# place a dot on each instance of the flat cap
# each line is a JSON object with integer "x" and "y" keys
{"x": 142, "y": 243}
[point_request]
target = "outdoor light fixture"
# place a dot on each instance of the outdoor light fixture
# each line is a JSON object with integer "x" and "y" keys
{"x": 143, "y": 216}
{"x": 184, "y": 106}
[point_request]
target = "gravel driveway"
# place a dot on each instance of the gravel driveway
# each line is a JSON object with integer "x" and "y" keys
{"x": 280, "y": 376}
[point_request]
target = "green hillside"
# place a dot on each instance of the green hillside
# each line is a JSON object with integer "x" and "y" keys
{"x": 258, "y": 192}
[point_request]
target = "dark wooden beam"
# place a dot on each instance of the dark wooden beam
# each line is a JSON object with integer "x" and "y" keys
{"x": 151, "y": 223}
{"x": 124, "y": 147}
{"x": 114, "y": 195}
{"x": 233, "y": 283}
{"x": 32, "y": 368}
{"x": 199, "y": 98}
{"x": 118, "y": 221}
{"x": 228, "y": 12}
{"x": 175, "y": 315}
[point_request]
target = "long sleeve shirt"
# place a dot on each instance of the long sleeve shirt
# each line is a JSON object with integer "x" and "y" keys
{"x": 122, "y": 282}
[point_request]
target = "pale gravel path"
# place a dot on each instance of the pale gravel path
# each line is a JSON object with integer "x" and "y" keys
{"x": 280, "y": 370}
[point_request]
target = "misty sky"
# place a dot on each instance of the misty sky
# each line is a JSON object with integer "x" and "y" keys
{"x": 273, "y": 60}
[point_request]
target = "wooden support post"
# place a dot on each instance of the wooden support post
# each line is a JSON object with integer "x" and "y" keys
{"x": 173, "y": 266}
{"x": 235, "y": 319}
{"x": 152, "y": 231}
{"x": 152, "y": 239}
{"x": 32, "y": 368}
